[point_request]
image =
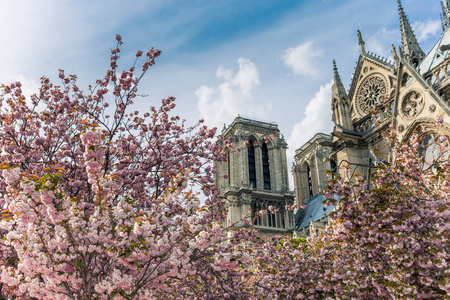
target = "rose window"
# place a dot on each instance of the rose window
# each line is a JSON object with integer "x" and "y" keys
{"x": 370, "y": 94}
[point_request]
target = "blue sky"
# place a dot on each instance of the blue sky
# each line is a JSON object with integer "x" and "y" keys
{"x": 268, "y": 59}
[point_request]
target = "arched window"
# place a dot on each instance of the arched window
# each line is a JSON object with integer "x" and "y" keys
{"x": 229, "y": 169}
{"x": 251, "y": 165}
{"x": 308, "y": 170}
{"x": 336, "y": 113}
{"x": 256, "y": 207}
{"x": 266, "y": 169}
{"x": 433, "y": 150}
{"x": 333, "y": 166}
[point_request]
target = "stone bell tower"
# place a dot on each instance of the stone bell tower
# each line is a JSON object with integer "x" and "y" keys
{"x": 256, "y": 177}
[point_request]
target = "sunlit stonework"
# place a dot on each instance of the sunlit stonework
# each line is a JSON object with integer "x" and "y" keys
{"x": 412, "y": 104}
{"x": 370, "y": 93}
{"x": 409, "y": 94}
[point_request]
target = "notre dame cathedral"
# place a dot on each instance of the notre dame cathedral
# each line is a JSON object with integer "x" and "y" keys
{"x": 410, "y": 92}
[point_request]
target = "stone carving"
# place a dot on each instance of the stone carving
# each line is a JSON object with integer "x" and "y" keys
{"x": 412, "y": 104}
{"x": 370, "y": 93}
{"x": 364, "y": 124}
{"x": 401, "y": 128}
{"x": 445, "y": 47}
{"x": 432, "y": 108}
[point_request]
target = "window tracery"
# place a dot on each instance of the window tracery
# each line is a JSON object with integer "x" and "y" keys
{"x": 370, "y": 93}
{"x": 434, "y": 149}
{"x": 267, "y": 218}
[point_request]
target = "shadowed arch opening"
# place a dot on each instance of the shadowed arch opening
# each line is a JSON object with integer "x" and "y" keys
{"x": 266, "y": 167}
{"x": 310, "y": 184}
{"x": 251, "y": 164}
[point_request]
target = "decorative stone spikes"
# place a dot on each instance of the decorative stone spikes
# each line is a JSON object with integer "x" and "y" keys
{"x": 362, "y": 45}
{"x": 411, "y": 47}
{"x": 338, "y": 89}
{"x": 445, "y": 17}
{"x": 379, "y": 59}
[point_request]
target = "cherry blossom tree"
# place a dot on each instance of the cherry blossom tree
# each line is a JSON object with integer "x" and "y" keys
{"x": 100, "y": 202}
{"x": 389, "y": 238}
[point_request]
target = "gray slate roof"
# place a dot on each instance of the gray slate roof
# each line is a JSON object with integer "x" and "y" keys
{"x": 314, "y": 211}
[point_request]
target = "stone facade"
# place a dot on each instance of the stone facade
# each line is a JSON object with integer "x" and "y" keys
{"x": 406, "y": 94}
{"x": 311, "y": 163}
{"x": 257, "y": 176}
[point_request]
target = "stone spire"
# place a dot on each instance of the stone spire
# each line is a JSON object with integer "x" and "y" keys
{"x": 338, "y": 88}
{"x": 362, "y": 45}
{"x": 339, "y": 102}
{"x": 411, "y": 47}
{"x": 445, "y": 17}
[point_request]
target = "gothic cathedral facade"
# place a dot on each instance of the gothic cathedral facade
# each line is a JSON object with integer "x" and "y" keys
{"x": 256, "y": 178}
{"x": 407, "y": 94}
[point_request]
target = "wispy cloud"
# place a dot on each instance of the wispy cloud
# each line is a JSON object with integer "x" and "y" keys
{"x": 303, "y": 59}
{"x": 233, "y": 96}
{"x": 427, "y": 29}
{"x": 380, "y": 42}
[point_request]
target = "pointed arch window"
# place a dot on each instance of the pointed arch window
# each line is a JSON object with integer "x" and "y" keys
{"x": 229, "y": 169}
{"x": 310, "y": 186}
{"x": 433, "y": 150}
{"x": 333, "y": 166}
{"x": 336, "y": 113}
{"x": 251, "y": 165}
{"x": 266, "y": 168}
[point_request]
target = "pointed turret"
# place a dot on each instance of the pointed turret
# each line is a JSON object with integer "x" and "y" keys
{"x": 362, "y": 45}
{"x": 338, "y": 88}
{"x": 445, "y": 17}
{"x": 339, "y": 102}
{"x": 411, "y": 47}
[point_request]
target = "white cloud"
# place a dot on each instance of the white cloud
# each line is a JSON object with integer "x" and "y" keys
{"x": 233, "y": 96}
{"x": 317, "y": 118}
{"x": 381, "y": 42}
{"x": 303, "y": 58}
{"x": 29, "y": 86}
{"x": 425, "y": 30}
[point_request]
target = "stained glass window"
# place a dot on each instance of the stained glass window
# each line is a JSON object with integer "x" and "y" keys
{"x": 434, "y": 149}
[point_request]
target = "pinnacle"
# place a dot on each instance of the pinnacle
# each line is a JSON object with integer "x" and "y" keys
{"x": 361, "y": 43}
{"x": 338, "y": 88}
{"x": 445, "y": 16}
{"x": 409, "y": 42}
{"x": 337, "y": 78}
